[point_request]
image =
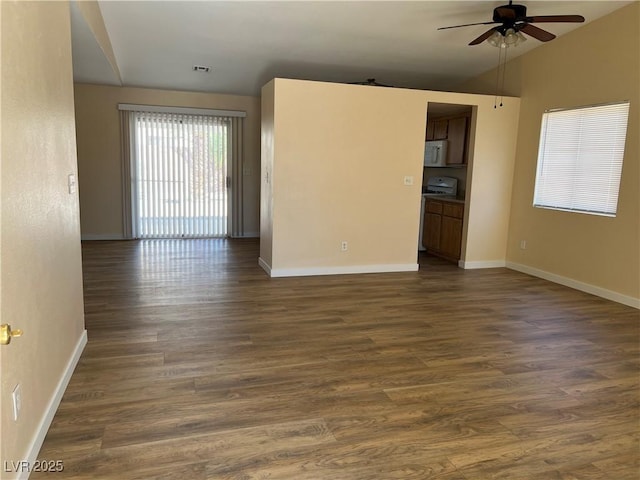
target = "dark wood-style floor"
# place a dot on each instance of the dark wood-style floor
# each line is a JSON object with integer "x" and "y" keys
{"x": 199, "y": 366}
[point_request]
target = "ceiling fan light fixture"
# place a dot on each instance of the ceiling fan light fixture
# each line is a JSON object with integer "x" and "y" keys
{"x": 519, "y": 38}
{"x": 495, "y": 40}
{"x": 510, "y": 38}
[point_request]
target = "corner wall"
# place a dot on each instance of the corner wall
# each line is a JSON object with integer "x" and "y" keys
{"x": 266, "y": 174}
{"x": 339, "y": 156}
{"x": 40, "y": 258}
{"x": 99, "y": 158}
{"x": 596, "y": 63}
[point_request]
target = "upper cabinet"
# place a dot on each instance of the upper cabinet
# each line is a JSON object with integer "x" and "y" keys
{"x": 457, "y": 136}
{"x": 456, "y": 131}
{"x": 437, "y": 130}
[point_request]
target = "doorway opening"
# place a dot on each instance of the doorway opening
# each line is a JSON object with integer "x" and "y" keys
{"x": 449, "y": 140}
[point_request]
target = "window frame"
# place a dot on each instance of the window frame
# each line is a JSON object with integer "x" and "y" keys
{"x": 583, "y": 151}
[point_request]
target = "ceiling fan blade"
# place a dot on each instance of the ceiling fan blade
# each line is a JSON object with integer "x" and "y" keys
{"x": 483, "y": 37}
{"x": 467, "y": 25}
{"x": 536, "y": 32}
{"x": 555, "y": 19}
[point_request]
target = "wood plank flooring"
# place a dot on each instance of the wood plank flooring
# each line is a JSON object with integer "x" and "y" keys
{"x": 199, "y": 366}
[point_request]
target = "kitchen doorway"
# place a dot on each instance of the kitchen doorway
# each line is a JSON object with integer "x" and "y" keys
{"x": 448, "y": 150}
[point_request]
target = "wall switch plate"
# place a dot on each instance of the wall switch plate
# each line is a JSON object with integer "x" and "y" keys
{"x": 71, "y": 183}
{"x": 523, "y": 244}
{"x": 16, "y": 396}
{"x": 408, "y": 180}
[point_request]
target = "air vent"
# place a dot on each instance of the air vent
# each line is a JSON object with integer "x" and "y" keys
{"x": 201, "y": 68}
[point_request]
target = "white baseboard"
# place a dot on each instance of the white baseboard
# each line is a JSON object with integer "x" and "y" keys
{"x": 481, "y": 264}
{"x": 583, "y": 287}
{"x": 102, "y": 236}
{"x": 343, "y": 270}
{"x": 251, "y": 235}
{"x": 52, "y": 407}
{"x": 265, "y": 266}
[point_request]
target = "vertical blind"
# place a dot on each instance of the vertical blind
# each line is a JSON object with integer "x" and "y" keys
{"x": 580, "y": 158}
{"x": 179, "y": 175}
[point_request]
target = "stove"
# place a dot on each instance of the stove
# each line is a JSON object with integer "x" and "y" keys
{"x": 442, "y": 186}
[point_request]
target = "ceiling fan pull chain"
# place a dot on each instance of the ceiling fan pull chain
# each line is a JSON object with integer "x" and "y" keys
{"x": 495, "y": 100}
{"x": 500, "y": 75}
{"x": 504, "y": 69}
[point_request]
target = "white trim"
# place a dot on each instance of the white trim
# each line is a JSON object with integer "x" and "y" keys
{"x": 180, "y": 110}
{"x": 346, "y": 270}
{"x": 481, "y": 264}
{"x": 265, "y": 266}
{"x": 52, "y": 407}
{"x": 102, "y": 236}
{"x": 577, "y": 285}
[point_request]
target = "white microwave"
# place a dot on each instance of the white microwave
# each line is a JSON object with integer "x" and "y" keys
{"x": 435, "y": 153}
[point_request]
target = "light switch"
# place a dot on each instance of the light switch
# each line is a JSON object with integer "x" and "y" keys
{"x": 408, "y": 180}
{"x": 71, "y": 182}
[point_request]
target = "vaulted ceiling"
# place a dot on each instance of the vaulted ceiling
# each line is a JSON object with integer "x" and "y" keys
{"x": 157, "y": 43}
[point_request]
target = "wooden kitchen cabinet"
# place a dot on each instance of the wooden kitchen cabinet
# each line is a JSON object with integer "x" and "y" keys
{"x": 440, "y": 129}
{"x": 457, "y": 136}
{"x": 429, "y": 135}
{"x": 442, "y": 235}
{"x": 451, "y": 237}
{"x": 453, "y": 129}
{"x": 432, "y": 225}
{"x": 437, "y": 130}
{"x": 432, "y": 229}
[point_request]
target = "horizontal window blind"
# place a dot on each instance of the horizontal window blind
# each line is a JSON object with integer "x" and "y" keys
{"x": 580, "y": 158}
{"x": 179, "y": 179}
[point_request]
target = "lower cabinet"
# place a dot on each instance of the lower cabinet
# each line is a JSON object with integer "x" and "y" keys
{"x": 442, "y": 234}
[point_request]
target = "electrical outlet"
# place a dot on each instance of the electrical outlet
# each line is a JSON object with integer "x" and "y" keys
{"x": 408, "y": 180}
{"x": 344, "y": 246}
{"x": 523, "y": 244}
{"x": 16, "y": 396}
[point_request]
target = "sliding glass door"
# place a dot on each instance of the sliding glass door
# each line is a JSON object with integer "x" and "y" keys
{"x": 179, "y": 175}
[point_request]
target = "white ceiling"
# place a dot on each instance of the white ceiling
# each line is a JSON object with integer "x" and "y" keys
{"x": 156, "y": 43}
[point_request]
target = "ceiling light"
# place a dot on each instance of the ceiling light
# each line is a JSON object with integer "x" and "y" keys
{"x": 510, "y": 38}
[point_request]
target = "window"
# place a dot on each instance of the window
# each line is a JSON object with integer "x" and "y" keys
{"x": 181, "y": 171}
{"x": 180, "y": 175}
{"x": 580, "y": 159}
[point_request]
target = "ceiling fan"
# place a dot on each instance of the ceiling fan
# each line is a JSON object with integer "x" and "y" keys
{"x": 371, "y": 82}
{"x": 513, "y": 19}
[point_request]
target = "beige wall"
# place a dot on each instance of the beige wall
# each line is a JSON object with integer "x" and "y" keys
{"x": 266, "y": 171}
{"x": 340, "y": 154}
{"x": 99, "y": 159}
{"x": 594, "y": 64}
{"x": 40, "y": 256}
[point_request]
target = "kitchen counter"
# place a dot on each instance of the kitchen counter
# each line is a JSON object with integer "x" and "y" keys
{"x": 444, "y": 198}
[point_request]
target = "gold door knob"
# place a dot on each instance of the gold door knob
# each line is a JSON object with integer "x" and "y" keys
{"x": 6, "y": 334}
